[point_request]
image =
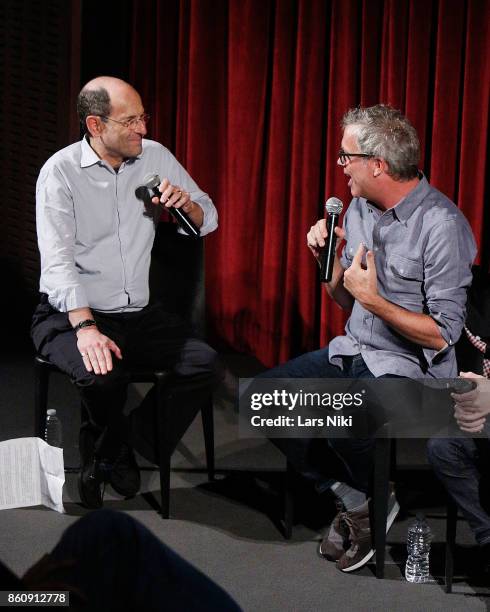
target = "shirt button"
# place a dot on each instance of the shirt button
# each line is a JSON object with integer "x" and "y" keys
{"x": 363, "y": 346}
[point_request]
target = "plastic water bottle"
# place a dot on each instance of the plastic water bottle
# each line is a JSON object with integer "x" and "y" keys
{"x": 52, "y": 434}
{"x": 418, "y": 548}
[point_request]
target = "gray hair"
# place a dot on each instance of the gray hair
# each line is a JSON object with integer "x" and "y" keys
{"x": 93, "y": 102}
{"x": 382, "y": 131}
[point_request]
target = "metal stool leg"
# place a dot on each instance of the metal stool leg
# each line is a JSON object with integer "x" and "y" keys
{"x": 288, "y": 501}
{"x": 41, "y": 384}
{"x": 380, "y": 499}
{"x": 452, "y": 517}
{"x": 208, "y": 429}
{"x": 162, "y": 409}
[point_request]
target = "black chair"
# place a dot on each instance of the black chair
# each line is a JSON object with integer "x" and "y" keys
{"x": 162, "y": 443}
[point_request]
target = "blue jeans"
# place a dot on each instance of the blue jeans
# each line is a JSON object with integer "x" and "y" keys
{"x": 325, "y": 461}
{"x": 460, "y": 463}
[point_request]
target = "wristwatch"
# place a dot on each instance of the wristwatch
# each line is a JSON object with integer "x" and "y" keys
{"x": 85, "y": 323}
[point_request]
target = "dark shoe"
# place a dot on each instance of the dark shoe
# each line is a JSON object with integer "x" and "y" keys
{"x": 91, "y": 477}
{"x": 124, "y": 473}
{"x": 361, "y": 549}
{"x": 357, "y": 520}
{"x": 336, "y": 541}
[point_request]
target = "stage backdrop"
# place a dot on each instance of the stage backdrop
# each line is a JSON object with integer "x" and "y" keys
{"x": 249, "y": 95}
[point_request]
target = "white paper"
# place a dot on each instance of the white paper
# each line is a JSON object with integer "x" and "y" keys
{"x": 31, "y": 473}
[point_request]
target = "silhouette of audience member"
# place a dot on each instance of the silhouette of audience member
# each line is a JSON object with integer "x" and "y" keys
{"x": 109, "y": 561}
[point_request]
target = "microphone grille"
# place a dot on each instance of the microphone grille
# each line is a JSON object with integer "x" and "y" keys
{"x": 334, "y": 206}
{"x": 151, "y": 180}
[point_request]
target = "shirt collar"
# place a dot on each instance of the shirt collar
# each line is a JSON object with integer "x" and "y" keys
{"x": 89, "y": 156}
{"x": 406, "y": 207}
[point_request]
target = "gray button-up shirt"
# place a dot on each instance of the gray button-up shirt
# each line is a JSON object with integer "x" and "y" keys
{"x": 95, "y": 236}
{"x": 423, "y": 250}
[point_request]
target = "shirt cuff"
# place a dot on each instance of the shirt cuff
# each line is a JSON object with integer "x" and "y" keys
{"x": 68, "y": 299}
{"x": 432, "y": 355}
{"x": 210, "y": 216}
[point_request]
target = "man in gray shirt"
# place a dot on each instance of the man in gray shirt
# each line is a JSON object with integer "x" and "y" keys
{"x": 95, "y": 238}
{"x": 403, "y": 274}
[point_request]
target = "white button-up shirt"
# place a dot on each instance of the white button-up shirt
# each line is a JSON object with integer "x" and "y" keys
{"x": 95, "y": 236}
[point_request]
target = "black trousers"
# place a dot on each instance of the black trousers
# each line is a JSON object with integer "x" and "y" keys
{"x": 150, "y": 338}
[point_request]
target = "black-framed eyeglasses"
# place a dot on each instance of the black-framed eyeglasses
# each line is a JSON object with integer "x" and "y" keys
{"x": 344, "y": 157}
{"x": 132, "y": 124}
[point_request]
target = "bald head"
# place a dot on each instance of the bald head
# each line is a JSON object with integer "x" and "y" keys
{"x": 99, "y": 95}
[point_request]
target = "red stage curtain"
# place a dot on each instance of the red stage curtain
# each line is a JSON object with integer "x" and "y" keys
{"x": 249, "y": 94}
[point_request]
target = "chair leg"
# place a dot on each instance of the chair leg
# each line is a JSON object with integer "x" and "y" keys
{"x": 162, "y": 411}
{"x": 288, "y": 501}
{"x": 208, "y": 430}
{"x": 451, "y": 521}
{"x": 380, "y": 500}
{"x": 41, "y": 383}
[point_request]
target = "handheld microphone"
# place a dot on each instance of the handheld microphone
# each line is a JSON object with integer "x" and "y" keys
{"x": 151, "y": 182}
{"x": 333, "y": 207}
{"x": 462, "y": 385}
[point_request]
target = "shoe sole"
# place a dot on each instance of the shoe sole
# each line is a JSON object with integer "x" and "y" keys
{"x": 360, "y": 563}
{"x": 389, "y": 522}
{"x": 392, "y": 515}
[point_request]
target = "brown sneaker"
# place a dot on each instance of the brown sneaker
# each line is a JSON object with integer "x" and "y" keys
{"x": 357, "y": 520}
{"x": 336, "y": 540}
{"x": 361, "y": 549}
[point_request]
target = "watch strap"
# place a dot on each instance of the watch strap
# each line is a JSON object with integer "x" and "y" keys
{"x": 84, "y": 323}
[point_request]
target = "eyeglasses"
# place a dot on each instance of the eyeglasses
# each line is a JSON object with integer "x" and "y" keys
{"x": 344, "y": 157}
{"x": 132, "y": 124}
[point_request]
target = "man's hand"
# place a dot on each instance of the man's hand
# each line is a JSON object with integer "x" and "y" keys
{"x": 315, "y": 238}
{"x": 95, "y": 349}
{"x": 360, "y": 281}
{"x": 471, "y": 408}
{"x": 174, "y": 196}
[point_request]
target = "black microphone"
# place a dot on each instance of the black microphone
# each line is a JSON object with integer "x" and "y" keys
{"x": 462, "y": 385}
{"x": 334, "y": 208}
{"x": 151, "y": 182}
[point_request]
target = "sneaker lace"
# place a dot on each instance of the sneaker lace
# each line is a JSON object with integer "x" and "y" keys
{"x": 352, "y": 523}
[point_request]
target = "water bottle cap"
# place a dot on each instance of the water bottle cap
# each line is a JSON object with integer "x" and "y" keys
{"x": 51, "y": 412}
{"x": 420, "y": 516}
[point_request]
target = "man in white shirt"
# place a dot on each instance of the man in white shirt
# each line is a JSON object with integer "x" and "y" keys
{"x": 95, "y": 238}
